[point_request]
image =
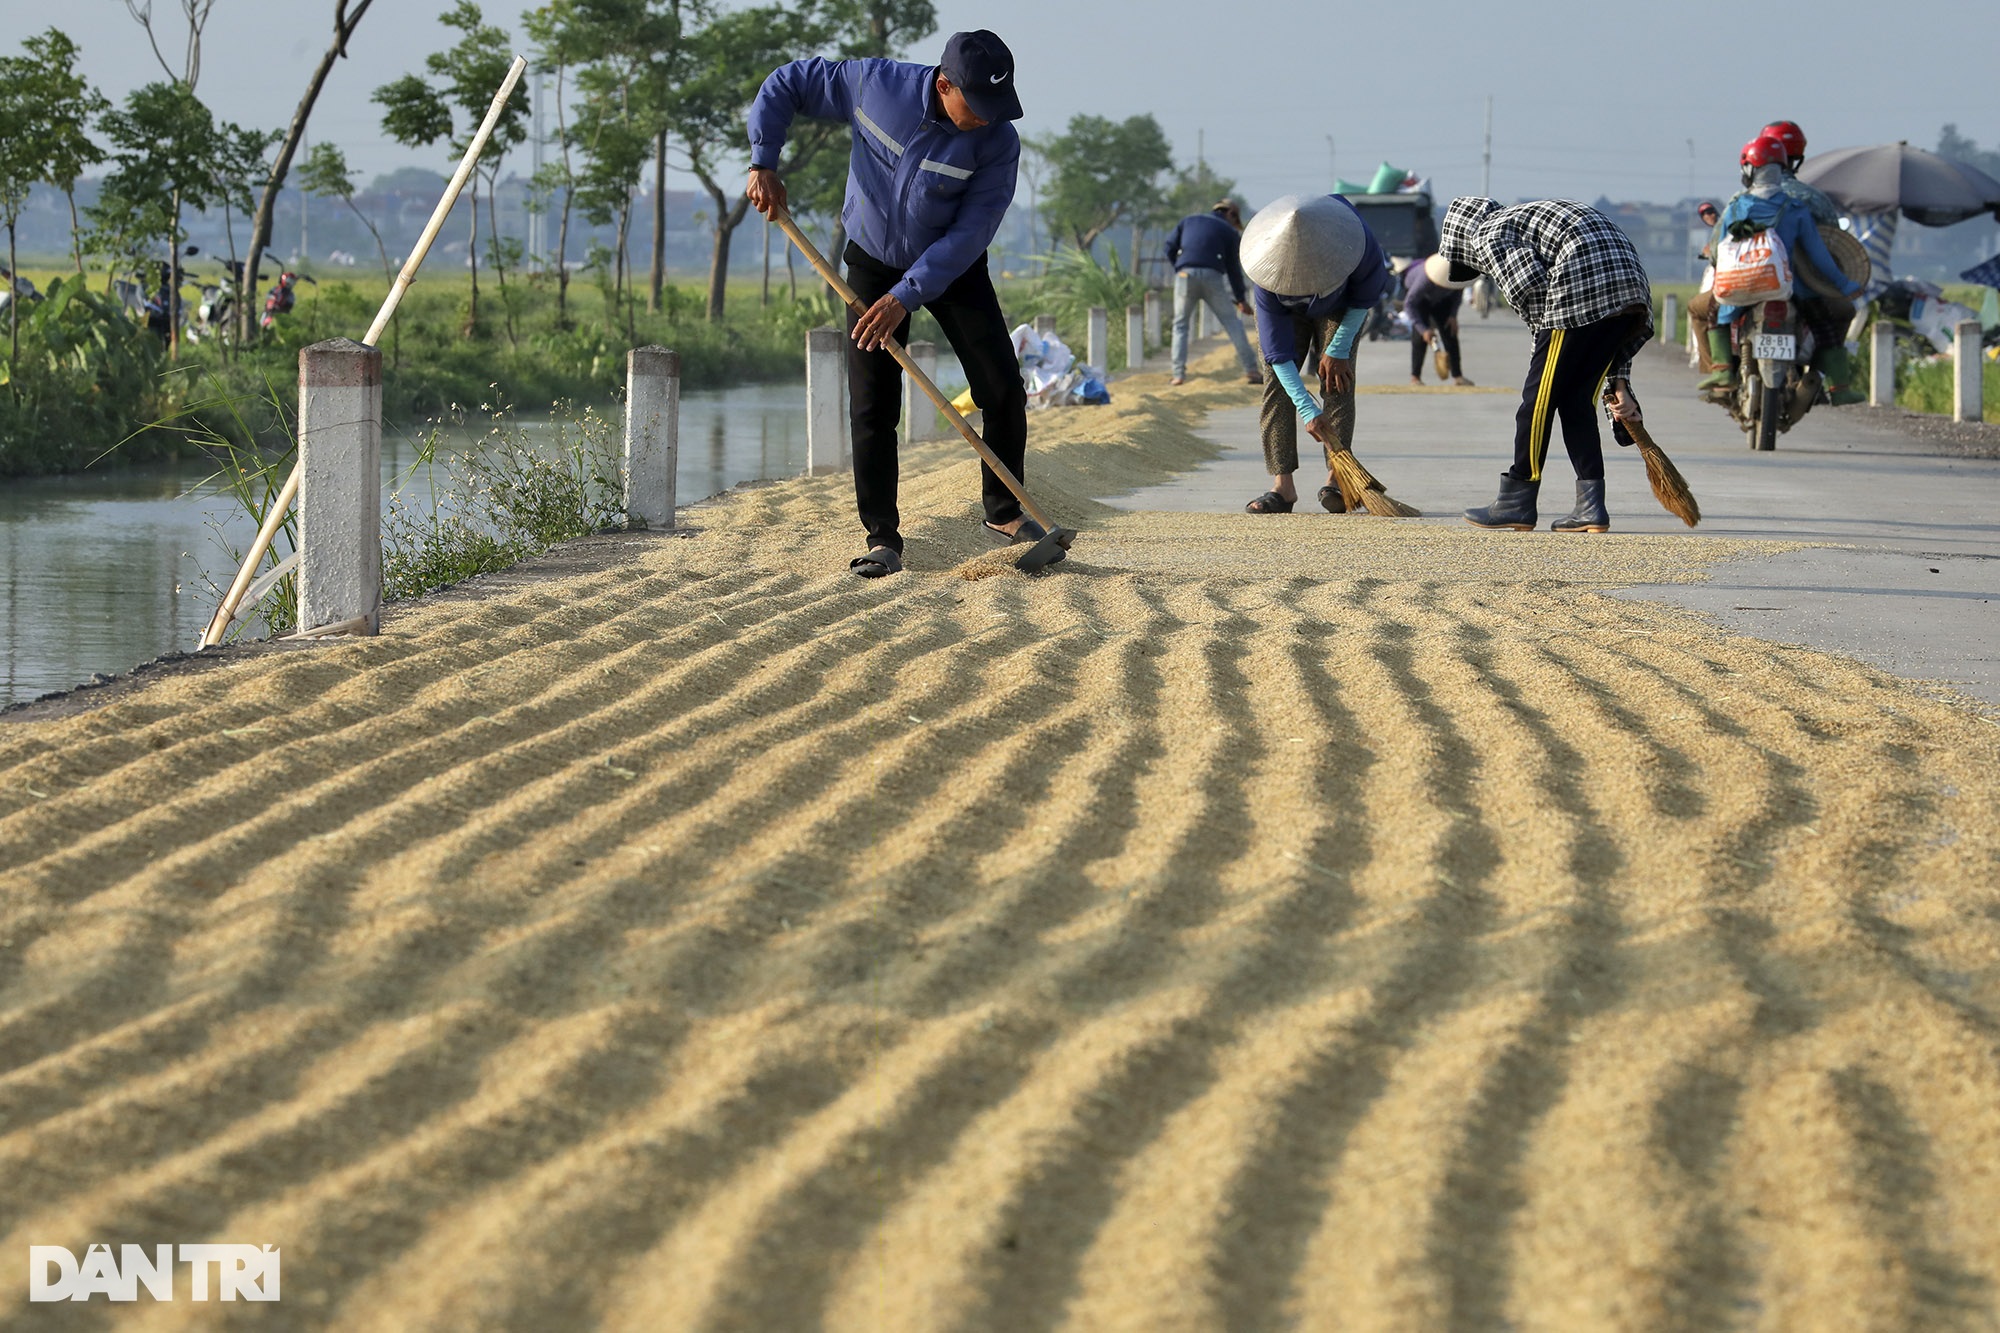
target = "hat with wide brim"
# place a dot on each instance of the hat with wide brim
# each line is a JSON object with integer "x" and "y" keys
{"x": 1303, "y": 246}
{"x": 1438, "y": 269}
{"x": 1847, "y": 252}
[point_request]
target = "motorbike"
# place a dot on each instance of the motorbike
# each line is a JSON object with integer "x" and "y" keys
{"x": 1774, "y": 389}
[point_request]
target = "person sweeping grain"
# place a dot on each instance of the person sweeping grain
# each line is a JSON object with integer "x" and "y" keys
{"x": 1318, "y": 271}
{"x": 930, "y": 175}
{"x": 1576, "y": 280}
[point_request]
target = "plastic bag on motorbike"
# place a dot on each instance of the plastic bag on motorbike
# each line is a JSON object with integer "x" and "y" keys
{"x": 1752, "y": 270}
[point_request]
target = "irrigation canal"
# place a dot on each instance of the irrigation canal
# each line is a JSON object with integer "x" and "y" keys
{"x": 103, "y": 570}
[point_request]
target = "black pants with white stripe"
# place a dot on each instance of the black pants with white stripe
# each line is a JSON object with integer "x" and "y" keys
{"x": 969, "y": 313}
{"x": 1565, "y": 380}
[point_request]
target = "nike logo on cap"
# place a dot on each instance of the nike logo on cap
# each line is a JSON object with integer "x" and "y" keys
{"x": 999, "y": 78}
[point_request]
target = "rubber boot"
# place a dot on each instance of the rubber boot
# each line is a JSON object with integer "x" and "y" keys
{"x": 1589, "y": 514}
{"x": 1836, "y": 367}
{"x": 1724, "y": 375}
{"x": 1514, "y": 509}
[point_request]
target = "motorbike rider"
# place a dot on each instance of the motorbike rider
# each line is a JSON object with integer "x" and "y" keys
{"x": 1763, "y": 205}
{"x": 1827, "y": 316}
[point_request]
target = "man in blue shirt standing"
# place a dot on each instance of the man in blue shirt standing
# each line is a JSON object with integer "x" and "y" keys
{"x": 1318, "y": 272}
{"x": 930, "y": 175}
{"x": 1203, "y": 253}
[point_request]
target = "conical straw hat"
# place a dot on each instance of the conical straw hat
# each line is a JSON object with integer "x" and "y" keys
{"x": 1438, "y": 269}
{"x": 1300, "y": 246}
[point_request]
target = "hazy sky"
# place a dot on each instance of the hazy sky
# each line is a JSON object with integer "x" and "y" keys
{"x": 1588, "y": 99}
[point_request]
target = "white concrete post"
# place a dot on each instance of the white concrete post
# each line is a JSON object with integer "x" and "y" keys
{"x": 1045, "y": 325}
{"x": 1968, "y": 380}
{"x": 340, "y": 484}
{"x": 1097, "y": 341}
{"x": 919, "y": 413}
{"x": 1882, "y": 364}
{"x": 1201, "y": 318}
{"x": 652, "y": 436}
{"x": 1153, "y": 319}
{"x": 826, "y": 376}
{"x": 1135, "y": 337}
{"x": 1670, "y": 313}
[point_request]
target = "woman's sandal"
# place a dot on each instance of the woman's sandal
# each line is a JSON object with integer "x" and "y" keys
{"x": 876, "y": 564}
{"x": 1331, "y": 500}
{"x": 1270, "y": 502}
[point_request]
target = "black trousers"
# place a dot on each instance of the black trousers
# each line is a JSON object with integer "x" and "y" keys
{"x": 1442, "y": 317}
{"x": 969, "y": 313}
{"x": 1565, "y": 380}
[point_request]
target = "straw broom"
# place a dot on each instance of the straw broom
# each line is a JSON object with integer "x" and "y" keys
{"x": 1670, "y": 488}
{"x": 1360, "y": 489}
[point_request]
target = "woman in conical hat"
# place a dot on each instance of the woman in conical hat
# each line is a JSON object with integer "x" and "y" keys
{"x": 1318, "y": 271}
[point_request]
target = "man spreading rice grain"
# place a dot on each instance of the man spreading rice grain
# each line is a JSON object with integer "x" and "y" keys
{"x": 1577, "y": 281}
{"x": 929, "y": 178}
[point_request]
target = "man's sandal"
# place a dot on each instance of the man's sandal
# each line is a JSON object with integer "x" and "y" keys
{"x": 1331, "y": 500}
{"x": 1270, "y": 502}
{"x": 878, "y": 563}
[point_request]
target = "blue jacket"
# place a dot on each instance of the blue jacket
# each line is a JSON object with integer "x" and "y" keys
{"x": 1203, "y": 240}
{"x": 922, "y": 195}
{"x": 1363, "y": 288}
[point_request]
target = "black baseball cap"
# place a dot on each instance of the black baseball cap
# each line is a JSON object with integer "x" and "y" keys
{"x": 981, "y": 67}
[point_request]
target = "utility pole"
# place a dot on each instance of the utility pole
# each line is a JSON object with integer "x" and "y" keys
{"x": 1690, "y": 168}
{"x": 1486, "y": 157}
{"x": 1201, "y": 156}
{"x": 1332, "y": 176}
{"x": 305, "y": 251}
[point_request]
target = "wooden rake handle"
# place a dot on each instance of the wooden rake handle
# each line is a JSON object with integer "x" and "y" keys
{"x": 909, "y": 365}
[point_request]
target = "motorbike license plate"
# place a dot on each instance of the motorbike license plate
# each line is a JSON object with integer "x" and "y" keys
{"x": 1774, "y": 347}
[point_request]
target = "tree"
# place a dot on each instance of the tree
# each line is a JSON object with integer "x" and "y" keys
{"x": 169, "y": 147}
{"x": 732, "y": 56}
{"x": 1102, "y": 173}
{"x": 344, "y": 23}
{"x": 418, "y": 114}
{"x": 18, "y": 173}
{"x": 633, "y": 52}
{"x": 325, "y": 174}
{"x": 558, "y": 47}
{"x": 1956, "y": 146}
{"x": 64, "y": 104}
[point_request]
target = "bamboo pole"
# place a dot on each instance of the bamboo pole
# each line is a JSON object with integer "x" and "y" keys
{"x": 225, "y": 613}
{"x": 846, "y": 293}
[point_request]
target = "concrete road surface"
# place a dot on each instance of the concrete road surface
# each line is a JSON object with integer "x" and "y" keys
{"x": 1913, "y": 584}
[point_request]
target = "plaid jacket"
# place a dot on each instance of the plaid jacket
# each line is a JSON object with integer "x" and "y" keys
{"x": 1560, "y": 264}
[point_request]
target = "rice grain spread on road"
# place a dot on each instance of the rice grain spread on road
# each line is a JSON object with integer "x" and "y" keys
{"x": 1321, "y": 920}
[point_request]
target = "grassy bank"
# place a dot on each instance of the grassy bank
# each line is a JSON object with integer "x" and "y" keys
{"x": 520, "y": 350}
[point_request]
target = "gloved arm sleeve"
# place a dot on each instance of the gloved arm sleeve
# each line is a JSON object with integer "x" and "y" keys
{"x": 1288, "y": 377}
{"x": 1174, "y": 247}
{"x": 816, "y": 87}
{"x": 1341, "y": 345}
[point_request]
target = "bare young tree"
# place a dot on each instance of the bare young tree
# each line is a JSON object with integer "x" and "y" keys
{"x": 346, "y": 16}
{"x": 196, "y": 14}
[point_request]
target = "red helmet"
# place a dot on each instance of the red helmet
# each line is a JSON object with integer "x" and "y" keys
{"x": 1788, "y": 133}
{"x": 1763, "y": 151}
